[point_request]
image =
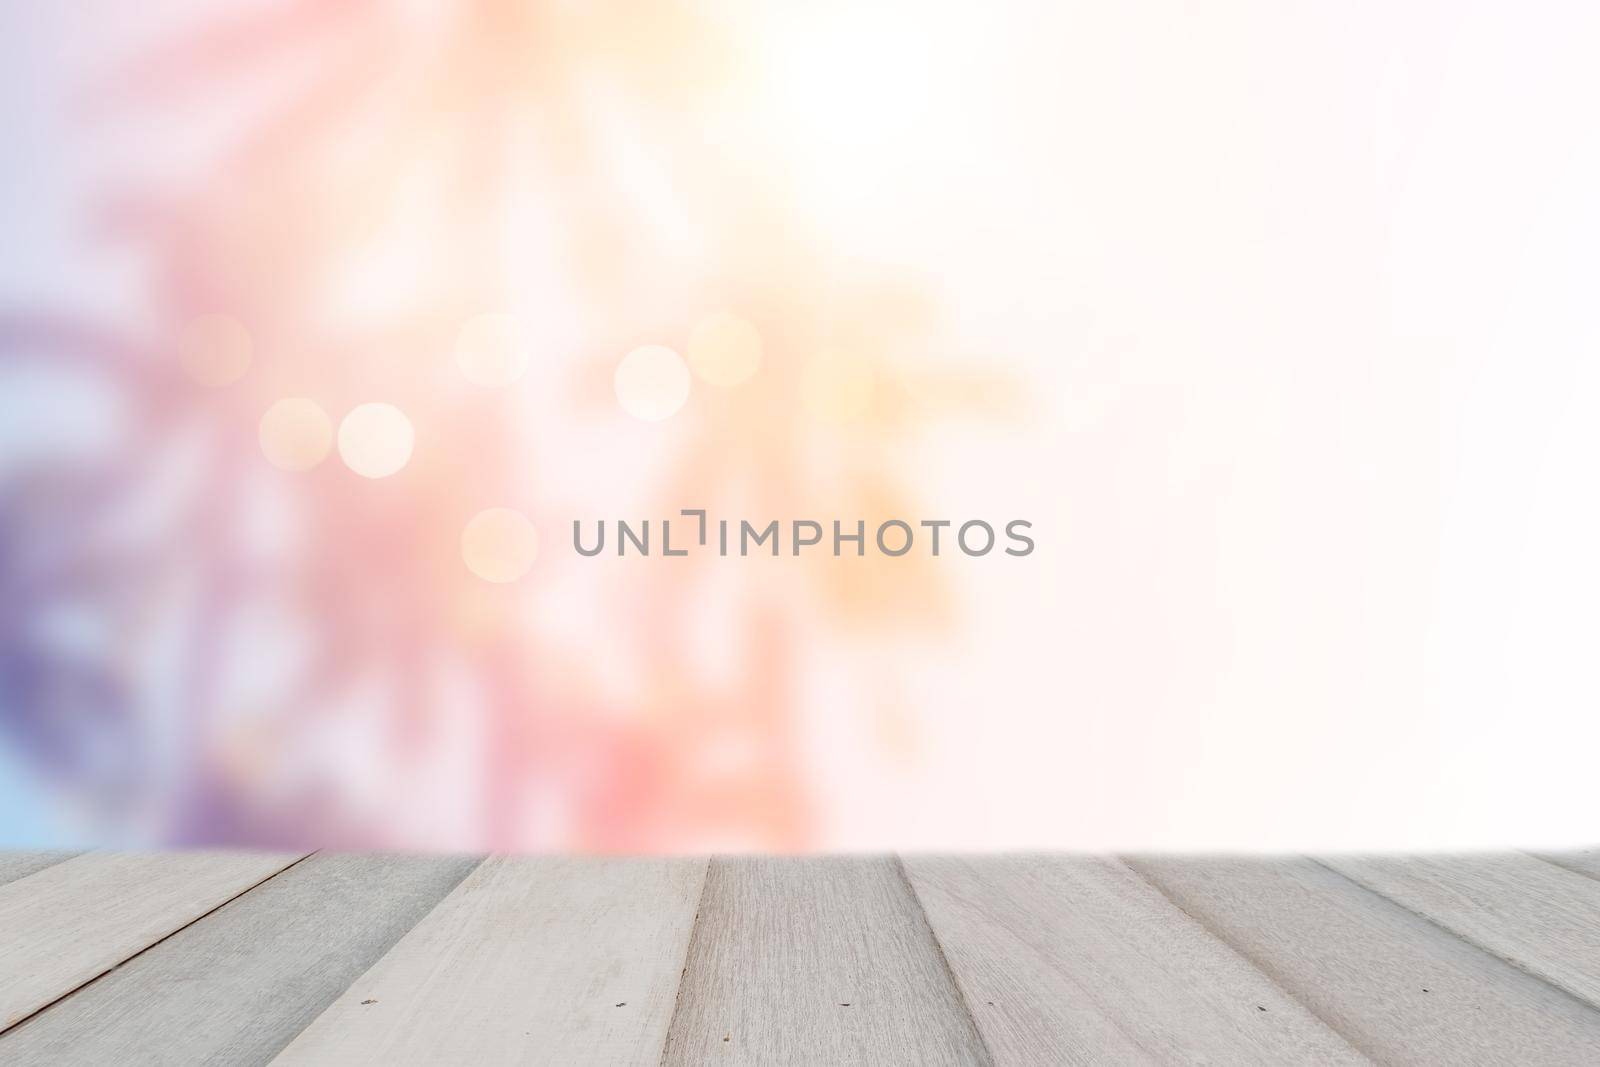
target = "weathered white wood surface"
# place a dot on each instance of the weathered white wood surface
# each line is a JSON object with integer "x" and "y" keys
{"x": 14, "y": 865}
{"x": 1400, "y": 988}
{"x": 232, "y": 958}
{"x": 1582, "y": 861}
{"x": 817, "y": 961}
{"x": 1080, "y": 960}
{"x": 70, "y": 922}
{"x": 237, "y": 987}
{"x": 1536, "y": 915}
{"x": 528, "y": 961}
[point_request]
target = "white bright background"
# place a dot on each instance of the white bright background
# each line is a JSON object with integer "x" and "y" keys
{"x": 1306, "y": 295}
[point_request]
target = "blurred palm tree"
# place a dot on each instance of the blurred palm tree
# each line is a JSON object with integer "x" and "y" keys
{"x": 407, "y": 170}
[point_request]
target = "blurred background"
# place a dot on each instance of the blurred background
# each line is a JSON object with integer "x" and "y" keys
{"x": 322, "y": 320}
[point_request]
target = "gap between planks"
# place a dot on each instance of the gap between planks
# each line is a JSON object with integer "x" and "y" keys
{"x": 1142, "y": 872}
{"x": 817, "y": 960}
{"x": 240, "y": 985}
{"x": 944, "y": 957}
{"x": 554, "y": 959}
{"x": 1399, "y": 987}
{"x": 1079, "y": 959}
{"x": 1535, "y": 915}
{"x": 21, "y": 907}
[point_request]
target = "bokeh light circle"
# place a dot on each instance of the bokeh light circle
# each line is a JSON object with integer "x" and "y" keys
{"x": 493, "y": 350}
{"x": 725, "y": 350}
{"x": 375, "y": 440}
{"x": 499, "y": 545}
{"x": 296, "y": 434}
{"x": 215, "y": 350}
{"x": 652, "y": 383}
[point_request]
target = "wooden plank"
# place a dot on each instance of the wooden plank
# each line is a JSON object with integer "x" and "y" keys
{"x": 529, "y": 960}
{"x": 73, "y": 921}
{"x": 1401, "y": 989}
{"x": 14, "y": 865}
{"x": 825, "y": 960}
{"x": 1584, "y": 861}
{"x": 1541, "y": 917}
{"x": 238, "y": 986}
{"x": 1079, "y": 960}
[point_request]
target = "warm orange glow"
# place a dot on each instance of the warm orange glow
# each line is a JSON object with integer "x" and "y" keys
{"x": 838, "y": 386}
{"x": 725, "y": 350}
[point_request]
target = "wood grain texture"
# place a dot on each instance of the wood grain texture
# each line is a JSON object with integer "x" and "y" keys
{"x": 826, "y": 960}
{"x": 70, "y": 922}
{"x": 1400, "y": 988}
{"x": 1538, "y": 916}
{"x": 1079, "y": 960}
{"x": 529, "y": 961}
{"x": 238, "y": 986}
{"x": 1580, "y": 861}
{"x": 14, "y": 865}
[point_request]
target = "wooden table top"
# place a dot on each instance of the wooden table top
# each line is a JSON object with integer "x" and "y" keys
{"x": 242, "y": 958}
